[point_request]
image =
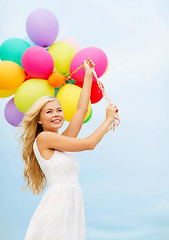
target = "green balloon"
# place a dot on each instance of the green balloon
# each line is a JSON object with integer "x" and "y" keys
{"x": 12, "y": 49}
{"x": 89, "y": 117}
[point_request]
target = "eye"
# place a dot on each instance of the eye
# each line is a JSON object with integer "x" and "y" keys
{"x": 48, "y": 111}
{"x": 60, "y": 110}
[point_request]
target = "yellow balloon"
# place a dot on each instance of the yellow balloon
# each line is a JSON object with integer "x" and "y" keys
{"x": 30, "y": 91}
{"x": 11, "y": 75}
{"x": 68, "y": 95}
{"x": 62, "y": 53}
{"x": 6, "y": 93}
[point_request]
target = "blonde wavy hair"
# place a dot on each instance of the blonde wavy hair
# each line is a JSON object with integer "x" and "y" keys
{"x": 29, "y": 129}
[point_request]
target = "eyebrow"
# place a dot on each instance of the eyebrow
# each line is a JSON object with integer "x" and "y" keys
{"x": 51, "y": 108}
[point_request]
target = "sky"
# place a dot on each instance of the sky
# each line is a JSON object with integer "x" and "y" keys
{"x": 125, "y": 179}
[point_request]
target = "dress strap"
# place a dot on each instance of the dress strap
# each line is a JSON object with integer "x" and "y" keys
{"x": 38, "y": 155}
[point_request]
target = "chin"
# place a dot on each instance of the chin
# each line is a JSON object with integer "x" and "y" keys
{"x": 58, "y": 127}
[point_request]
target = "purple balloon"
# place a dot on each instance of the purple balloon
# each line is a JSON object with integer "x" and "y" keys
{"x": 12, "y": 114}
{"x": 42, "y": 27}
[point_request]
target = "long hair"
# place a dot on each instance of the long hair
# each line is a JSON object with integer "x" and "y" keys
{"x": 29, "y": 129}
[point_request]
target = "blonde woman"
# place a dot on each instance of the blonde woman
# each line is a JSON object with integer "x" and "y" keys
{"x": 48, "y": 158}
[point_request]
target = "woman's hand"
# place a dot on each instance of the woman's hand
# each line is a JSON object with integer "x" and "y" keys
{"x": 88, "y": 65}
{"x": 111, "y": 111}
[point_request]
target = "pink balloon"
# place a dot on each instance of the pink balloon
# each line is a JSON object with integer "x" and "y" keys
{"x": 96, "y": 55}
{"x": 72, "y": 42}
{"x": 37, "y": 62}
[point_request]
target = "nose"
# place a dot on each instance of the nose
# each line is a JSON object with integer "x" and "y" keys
{"x": 55, "y": 113}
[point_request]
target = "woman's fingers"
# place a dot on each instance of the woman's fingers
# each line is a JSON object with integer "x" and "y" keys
{"x": 114, "y": 106}
{"x": 90, "y": 62}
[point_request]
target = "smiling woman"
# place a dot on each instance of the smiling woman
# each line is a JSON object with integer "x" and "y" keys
{"x": 51, "y": 117}
{"x": 48, "y": 158}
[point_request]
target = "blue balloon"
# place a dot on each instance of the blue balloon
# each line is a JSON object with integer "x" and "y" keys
{"x": 12, "y": 49}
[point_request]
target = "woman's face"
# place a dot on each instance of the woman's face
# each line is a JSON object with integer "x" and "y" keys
{"x": 51, "y": 116}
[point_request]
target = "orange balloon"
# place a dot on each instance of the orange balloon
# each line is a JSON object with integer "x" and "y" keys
{"x": 11, "y": 75}
{"x": 6, "y": 93}
{"x": 56, "y": 80}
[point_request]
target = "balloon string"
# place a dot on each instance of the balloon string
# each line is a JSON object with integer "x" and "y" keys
{"x": 70, "y": 75}
{"x": 55, "y": 70}
{"x": 115, "y": 124}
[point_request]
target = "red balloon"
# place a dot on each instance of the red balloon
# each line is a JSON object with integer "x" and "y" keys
{"x": 96, "y": 93}
{"x": 79, "y": 84}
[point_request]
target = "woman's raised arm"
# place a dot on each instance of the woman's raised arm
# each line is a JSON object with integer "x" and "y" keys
{"x": 78, "y": 119}
{"x": 51, "y": 140}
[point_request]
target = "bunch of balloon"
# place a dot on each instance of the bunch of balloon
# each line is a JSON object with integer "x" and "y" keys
{"x": 39, "y": 65}
{"x": 66, "y": 93}
{"x": 24, "y": 69}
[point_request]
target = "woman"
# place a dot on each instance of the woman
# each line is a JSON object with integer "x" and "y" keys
{"x": 48, "y": 158}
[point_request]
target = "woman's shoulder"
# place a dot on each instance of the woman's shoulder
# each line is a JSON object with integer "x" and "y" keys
{"x": 44, "y": 151}
{"x": 39, "y": 137}
{"x": 46, "y": 134}
{"x": 46, "y": 138}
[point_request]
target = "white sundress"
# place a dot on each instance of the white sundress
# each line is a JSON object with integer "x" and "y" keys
{"x": 60, "y": 214}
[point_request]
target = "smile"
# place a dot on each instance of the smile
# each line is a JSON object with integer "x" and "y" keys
{"x": 56, "y": 121}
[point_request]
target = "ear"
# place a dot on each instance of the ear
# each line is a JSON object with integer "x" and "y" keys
{"x": 40, "y": 122}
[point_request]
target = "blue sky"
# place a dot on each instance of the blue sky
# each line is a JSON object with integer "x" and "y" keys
{"x": 125, "y": 180}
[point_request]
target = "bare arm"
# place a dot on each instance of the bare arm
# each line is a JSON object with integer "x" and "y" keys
{"x": 97, "y": 136}
{"x": 51, "y": 140}
{"x": 85, "y": 93}
{"x": 77, "y": 121}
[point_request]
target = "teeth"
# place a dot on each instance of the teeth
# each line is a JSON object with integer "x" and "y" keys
{"x": 56, "y": 121}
